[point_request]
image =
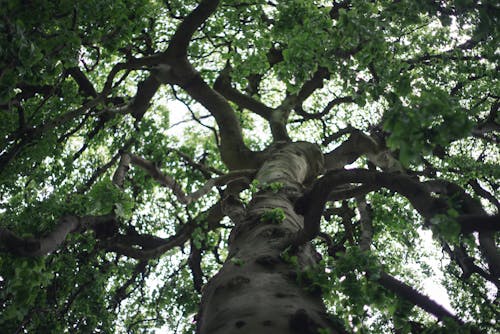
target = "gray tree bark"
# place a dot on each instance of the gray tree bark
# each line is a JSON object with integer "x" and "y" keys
{"x": 257, "y": 290}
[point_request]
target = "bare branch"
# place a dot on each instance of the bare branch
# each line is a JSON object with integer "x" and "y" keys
{"x": 150, "y": 247}
{"x": 167, "y": 181}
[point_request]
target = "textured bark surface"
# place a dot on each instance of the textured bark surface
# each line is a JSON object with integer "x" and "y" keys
{"x": 256, "y": 291}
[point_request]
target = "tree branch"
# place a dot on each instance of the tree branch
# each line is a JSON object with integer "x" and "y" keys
{"x": 335, "y": 102}
{"x": 479, "y": 223}
{"x": 194, "y": 263}
{"x": 407, "y": 292}
{"x": 312, "y": 203}
{"x": 82, "y": 81}
{"x": 365, "y": 213}
{"x": 180, "y": 41}
{"x": 359, "y": 144}
{"x": 350, "y": 150}
{"x": 234, "y": 152}
{"x": 150, "y": 247}
{"x": 121, "y": 292}
{"x": 168, "y": 181}
{"x": 223, "y": 85}
{"x": 480, "y": 191}
{"x": 485, "y": 225}
{"x": 103, "y": 226}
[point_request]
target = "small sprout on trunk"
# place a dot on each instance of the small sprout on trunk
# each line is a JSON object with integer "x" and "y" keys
{"x": 276, "y": 216}
{"x": 254, "y": 186}
{"x": 273, "y": 186}
{"x": 237, "y": 261}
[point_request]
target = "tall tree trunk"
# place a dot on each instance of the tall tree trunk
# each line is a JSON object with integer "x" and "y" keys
{"x": 257, "y": 291}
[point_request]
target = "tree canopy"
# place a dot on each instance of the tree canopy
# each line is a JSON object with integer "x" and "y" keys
{"x": 113, "y": 220}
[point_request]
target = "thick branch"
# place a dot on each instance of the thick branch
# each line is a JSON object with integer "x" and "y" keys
{"x": 479, "y": 223}
{"x": 294, "y": 101}
{"x": 407, "y": 292}
{"x": 124, "y": 244}
{"x": 234, "y": 152}
{"x": 194, "y": 263}
{"x": 312, "y": 204}
{"x": 180, "y": 41}
{"x": 32, "y": 247}
{"x": 176, "y": 69}
{"x": 83, "y": 82}
{"x": 177, "y": 48}
{"x": 145, "y": 92}
{"x": 223, "y": 86}
{"x": 275, "y": 117}
{"x": 121, "y": 171}
{"x": 356, "y": 145}
{"x": 311, "y": 85}
{"x": 335, "y": 102}
{"x": 350, "y": 150}
{"x": 143, "y": 247}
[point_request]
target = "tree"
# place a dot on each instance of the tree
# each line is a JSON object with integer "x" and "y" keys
{"x": 325, "y": 138}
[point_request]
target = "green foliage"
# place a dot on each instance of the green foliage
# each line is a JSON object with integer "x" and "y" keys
{"x": 301, "y": 26}
{"x": 311, "y": 278}
{"x": 24, "y": 280}
{"x": 237, "y": 261}
{"x": 275, "y": 187}
{"x": 256, "y": 186}
{"x": 200, "y": 232}
{"x": 105, "y": 197}
{"x": 433, "y": 120}
{"x": 354, "y": 259}
{"x": 275, "y": 216}
{"x": 36, "y": 49}
{"x": 446, "y": 226}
